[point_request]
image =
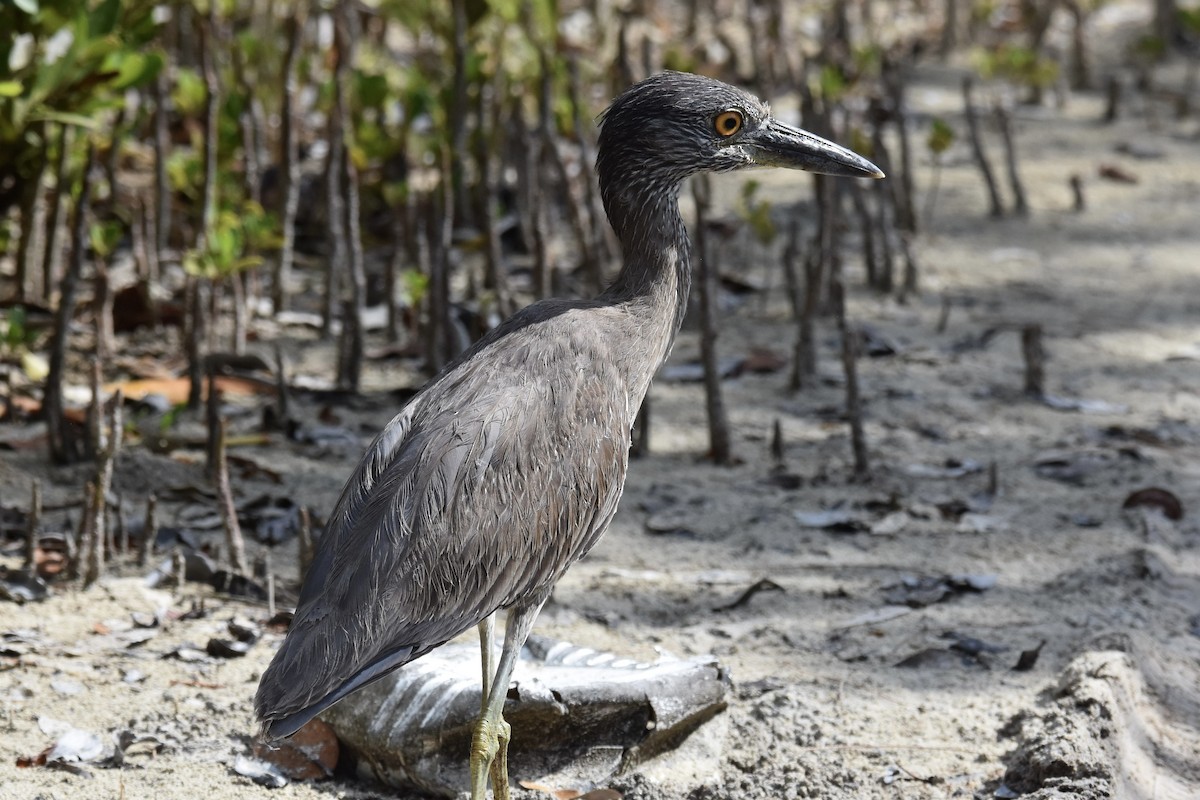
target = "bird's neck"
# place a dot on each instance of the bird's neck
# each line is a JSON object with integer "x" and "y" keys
{"x": 654, "y": 282}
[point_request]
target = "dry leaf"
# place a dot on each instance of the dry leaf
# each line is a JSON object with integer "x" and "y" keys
{"x": 310, "y": 754}
{"x": 1116, "y": 174}
{"x": 1154, "y": 497}
{"x": 175, "y": 390}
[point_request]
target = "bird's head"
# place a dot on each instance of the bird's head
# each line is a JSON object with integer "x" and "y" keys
{"x": 675, "y": 124}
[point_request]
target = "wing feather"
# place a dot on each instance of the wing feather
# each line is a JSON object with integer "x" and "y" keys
{"x": 479, "y": 493}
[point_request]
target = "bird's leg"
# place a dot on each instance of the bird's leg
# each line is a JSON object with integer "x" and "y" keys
{"x": 489, "y": 745}
{"x": 487, "y": 656}
{"x": 484, "y": 745}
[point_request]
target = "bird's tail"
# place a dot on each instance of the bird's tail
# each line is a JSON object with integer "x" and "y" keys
{"x": 299, "y": 684}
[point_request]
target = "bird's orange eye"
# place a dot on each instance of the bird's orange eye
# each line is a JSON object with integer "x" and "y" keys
{"x": 728, "y": 123}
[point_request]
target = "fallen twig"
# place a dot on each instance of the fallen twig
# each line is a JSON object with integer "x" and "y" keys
{"x": 149, "y": 530}
{"x": 761, "y": 585}
{"x": 33, "y": 525}
{"x": 229, "y": 519}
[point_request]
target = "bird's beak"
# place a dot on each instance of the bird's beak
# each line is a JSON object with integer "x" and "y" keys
{"x": 778, "y": 145}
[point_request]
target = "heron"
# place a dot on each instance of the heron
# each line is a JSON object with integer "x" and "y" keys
{"x": 507, "y": 467}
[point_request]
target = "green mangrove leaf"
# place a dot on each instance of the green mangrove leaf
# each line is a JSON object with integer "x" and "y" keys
{"x": 103, "y": 18}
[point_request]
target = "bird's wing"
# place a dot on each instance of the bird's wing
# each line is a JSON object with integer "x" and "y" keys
{"x": 480, "y": 493}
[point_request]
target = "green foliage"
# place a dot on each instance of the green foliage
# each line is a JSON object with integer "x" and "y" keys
{"x": 831, "y": 83}
{"x": 983, "y": 10}
{"x": 868, "y": 59}
{"x": 756, "y": 213}
{"x": 105, "y": 236}
{"x": 860, "y": 142}
{"x": 541, "y": 20}
{"x": 418, "y": 97}
{"x": 185, "y": 172}
{"x": 71, "y": 61}
{"x": 680, "y": 59}
{"x": 103, "y": 18}
{"x": 394, "y": 193}
{"x": 941, "y": 136}
{"x": 168, "y": 420}
{"x": 134, "y": 69}
{"x": 251, "y": 45}
{"x": 417, "y": 15}
{"x": 507, "y": 10}
{"x": 189, "y": 93}
{"x": 65, "y": 61}
{"x": 15, "y": 334}
{"x": 228, "y": 242}
{"x": 1189, "y": 19}
{"x": 68, "y": 62}
{"x": 372, "y": 141}
{"x": 260, "y": 227}
{"x": 1149, "y": 48}
{"x": 1018, "y": 64}
{"x": 372, "y": 89}
{"x": 414, "y": 285}
{"x": 229, "y": 126}
{"x": 17, "y": 340}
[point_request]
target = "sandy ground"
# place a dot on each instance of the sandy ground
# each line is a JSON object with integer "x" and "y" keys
{"x": 841, "y": 689}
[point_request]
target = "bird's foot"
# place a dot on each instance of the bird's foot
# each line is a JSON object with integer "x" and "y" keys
{"x": 489, "y": 758}
{"x": 499, "y": 768}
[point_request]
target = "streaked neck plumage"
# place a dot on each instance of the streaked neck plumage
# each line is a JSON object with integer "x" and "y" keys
{"x": 656, "y": 277}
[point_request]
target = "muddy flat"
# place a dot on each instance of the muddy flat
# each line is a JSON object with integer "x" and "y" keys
{"x": 992, "y": 531}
